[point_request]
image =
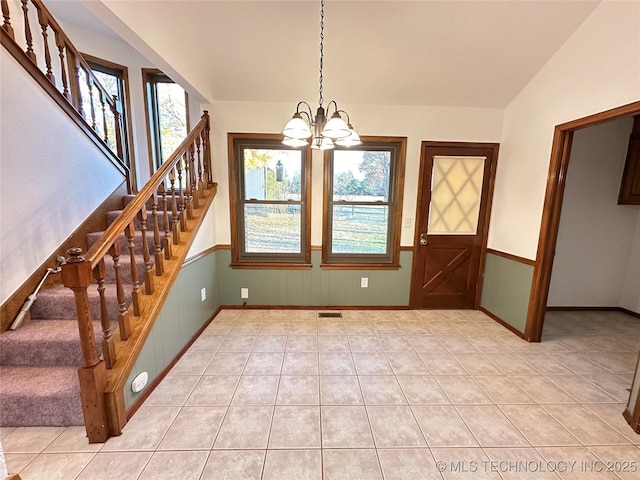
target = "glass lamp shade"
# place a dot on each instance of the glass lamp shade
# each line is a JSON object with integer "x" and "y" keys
{"x": 295, "y": 142}
{"x": 350, "y": 141}
{"x": 336, "y": 127}
{"x": 322, "y": 143}
{"x": 296, "y": 128}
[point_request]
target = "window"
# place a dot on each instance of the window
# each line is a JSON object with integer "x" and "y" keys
{"x": 270, "y": 207}
{"x": 167, "y": 118}
{"x": 115, "y": 79}
{"x": 363, "y": 203}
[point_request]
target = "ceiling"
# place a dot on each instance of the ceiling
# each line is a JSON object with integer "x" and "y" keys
{"x": 441, "y": 53}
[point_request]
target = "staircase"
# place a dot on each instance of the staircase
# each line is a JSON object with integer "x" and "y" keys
{"x": 70, "y": 363}
{"x": 39, "y": 361}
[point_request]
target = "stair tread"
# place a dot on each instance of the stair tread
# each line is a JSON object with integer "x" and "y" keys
{"x": 43, "y": 380}
{"x": 50, "y": 397}
{"x": 45, "y": 342}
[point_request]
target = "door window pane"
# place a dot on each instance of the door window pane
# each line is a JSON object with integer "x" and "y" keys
{"x": 456, "y": 190}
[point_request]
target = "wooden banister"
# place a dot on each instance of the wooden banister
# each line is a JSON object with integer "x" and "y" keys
{"x": 135, "y": 307}
{"x": 99, "y": 249}
{"x": 67, "y": 90}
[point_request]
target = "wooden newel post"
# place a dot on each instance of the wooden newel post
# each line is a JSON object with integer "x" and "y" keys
{"x": 77, "y": 275}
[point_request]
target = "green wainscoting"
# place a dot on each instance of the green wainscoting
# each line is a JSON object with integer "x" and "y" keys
{"x": 506, "y": 289}
{"x": 182, "y": 315}
{"x": 314, "y": 287}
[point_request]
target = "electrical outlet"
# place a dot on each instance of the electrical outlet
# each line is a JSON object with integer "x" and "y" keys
{"x": 364, "y": 282}
{"x": 203, "y": 294}
{"x": 244, "y": 293}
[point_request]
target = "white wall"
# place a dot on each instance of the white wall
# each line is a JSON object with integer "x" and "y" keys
{"x": 598, "y": 68}
{"x": 117, "y": 51}
{"x": 114, "y": 49}
{"x": 416, "y": 123}
{"x": 596, "y": 235}
{"x": 52, "y": 177}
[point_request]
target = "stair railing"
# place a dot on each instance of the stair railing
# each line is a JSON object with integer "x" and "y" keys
{"x": 68, "y": 79}
{"x": 174, "y": 191}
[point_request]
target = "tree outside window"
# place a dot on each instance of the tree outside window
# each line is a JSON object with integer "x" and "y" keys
{"x": 167, "y": 119}
{"x": 364, "y": 203}
{"x": 270, "y": 208}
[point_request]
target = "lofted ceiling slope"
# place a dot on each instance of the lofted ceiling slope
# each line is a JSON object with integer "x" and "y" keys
{"x": 441, "y": 53}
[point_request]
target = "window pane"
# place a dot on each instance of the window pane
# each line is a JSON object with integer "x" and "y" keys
{"x": 109, "y": 82}
{"x": 172, "y": 115}
{"x": 272, "y": 174}
{"x": 359, "y": 229}
{"x": 361, "y": 176}
{"x": 272, "y": 228}
{"x": 456, "y": 189}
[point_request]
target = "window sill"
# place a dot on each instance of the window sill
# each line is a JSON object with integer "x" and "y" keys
{"x": 360, "y": 266}
{"x": 271, "y": 266}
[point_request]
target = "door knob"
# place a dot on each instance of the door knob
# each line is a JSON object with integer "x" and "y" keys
{"x": 423, "y": 239}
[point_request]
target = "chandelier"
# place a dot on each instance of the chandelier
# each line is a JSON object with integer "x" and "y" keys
{"x": 325, "y": 132}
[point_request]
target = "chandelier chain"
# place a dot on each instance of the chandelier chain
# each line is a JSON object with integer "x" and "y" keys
{"x": 321, "y": 46}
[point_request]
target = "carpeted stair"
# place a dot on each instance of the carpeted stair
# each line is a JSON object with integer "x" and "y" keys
{"x": 39, "y": 362}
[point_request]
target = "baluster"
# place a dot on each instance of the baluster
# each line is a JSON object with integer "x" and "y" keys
{"x": 167, "y": 228}
{"x": 157, "y": 252}
{"x": 182, "y": 214}
{"x": 108, "y": 345}
{"x": 76, "y": 275}
{"x": 80, "y": 106}
{"x": 93, "y": 107}
{"x": 43, "y": 19}
{"x": 148, "y": 278}
{"x": 188, "y": 199}
{"x": 195, "y": 202}
{"x": 199, "y": 161}
{"x": 130, "y": 233}
{"x": 124, "y": 322}
{"x": 63, "y": 70}
{"x": 105, "y": 127}
{"x": 206, "y": 148}
{"x": 117, "y": 125}
{"x": 6, "y": 25}
{"x": 27, "y": 32}
{"x": 175, "y": 221}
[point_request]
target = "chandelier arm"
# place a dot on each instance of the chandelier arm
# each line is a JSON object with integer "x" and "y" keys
{"x": 309, "y": 114}
{"x": 335, "y": 107}
{"x": 344, "y": 111}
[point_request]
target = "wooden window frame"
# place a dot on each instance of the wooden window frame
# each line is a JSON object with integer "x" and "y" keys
{"x": 390, "y": 260}
{"x": 236, "y": 143}
{"x": 122, "y": 73}
{"x": 150, "y": 78}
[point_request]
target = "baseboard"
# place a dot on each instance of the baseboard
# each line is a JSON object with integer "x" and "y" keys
{"x": 156, "y": 381}
{"x": 509, "y": 327}
{"x": 594, "y": 309}
{"x": 315, "y": 307}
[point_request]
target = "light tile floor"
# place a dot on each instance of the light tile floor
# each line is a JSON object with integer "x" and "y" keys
{"x": 399, "y": 395}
